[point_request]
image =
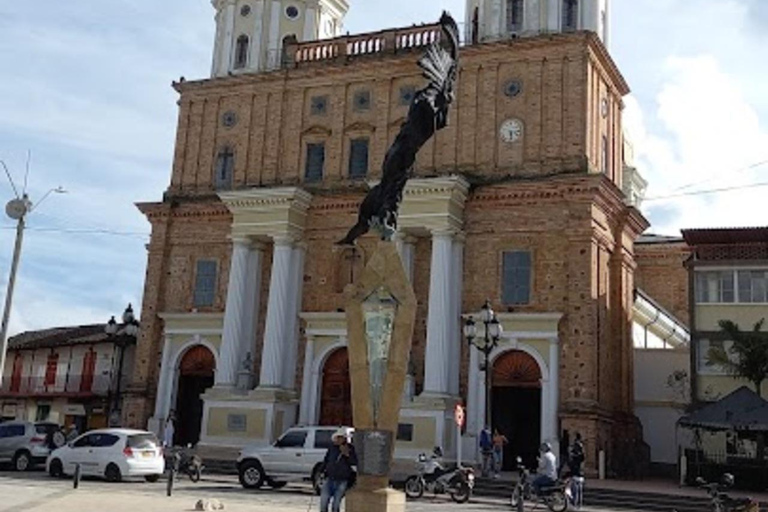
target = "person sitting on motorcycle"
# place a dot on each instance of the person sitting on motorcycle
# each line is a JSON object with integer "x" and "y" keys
{"x": 547, "y": 473}
{"x": 434, "y": 469}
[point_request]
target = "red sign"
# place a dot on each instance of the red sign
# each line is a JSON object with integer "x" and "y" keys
{"x": 458, "y": 415}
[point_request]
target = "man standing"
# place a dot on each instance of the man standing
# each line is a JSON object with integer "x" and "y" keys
{"x": 486, "y": 449}
{"x": 338, "y": 463}
{"x": 169, "y": 431}
{"x": 576, "y": 464}
{"x": 547, "y": 473}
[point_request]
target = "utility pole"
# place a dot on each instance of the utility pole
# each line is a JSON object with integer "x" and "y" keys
{"x": 17, "y": 209}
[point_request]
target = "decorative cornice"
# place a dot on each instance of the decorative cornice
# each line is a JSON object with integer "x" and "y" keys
{"x": 319, "y": 130}
{"x": 266, "y": 198}
{"x": 360, "y": 126}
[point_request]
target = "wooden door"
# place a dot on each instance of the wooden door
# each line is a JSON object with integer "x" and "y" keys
{"x": 336, "y": 401}
{"x": 89, "y": 366}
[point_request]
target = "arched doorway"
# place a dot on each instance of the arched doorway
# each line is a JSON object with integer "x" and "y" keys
{"x": 516, "y": 405}
{"x": 336, "y": 391}
{"x": 195, "y": 376}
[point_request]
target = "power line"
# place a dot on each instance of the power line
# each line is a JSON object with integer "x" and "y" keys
{"x": 718, "y": 175}
{"x": 84, "y": 231}
{"x": 709, "y": 191}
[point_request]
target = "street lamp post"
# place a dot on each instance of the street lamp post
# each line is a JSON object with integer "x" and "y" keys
{"x": 122, "y": 338}
{"x": 485, "y": 343}
{"x": 17, "y": 209}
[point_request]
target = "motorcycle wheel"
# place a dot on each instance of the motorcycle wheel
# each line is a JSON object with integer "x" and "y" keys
{"x": 414, "y": 487}
{"x": 557, "y": 502}
{"x": 194, "y": 474}
{"x": 460, "y": 493}
{"x": 516, "y": 501}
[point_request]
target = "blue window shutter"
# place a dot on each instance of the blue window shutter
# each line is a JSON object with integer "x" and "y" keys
{"x": 516, "y": 278}
{"x": 205, "y": 283}
{"x": 315, "y": 162}
{"x": 358, "y": 158}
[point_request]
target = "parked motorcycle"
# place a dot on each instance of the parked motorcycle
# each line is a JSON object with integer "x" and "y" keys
{"x": 554, "y": 497}
{"x": 433, "y": 477}
{"x": 187, "y": 463}
{"x": 721, "y": 502}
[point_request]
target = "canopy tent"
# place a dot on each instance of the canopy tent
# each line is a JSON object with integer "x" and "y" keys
{"x": 741, "y": 410}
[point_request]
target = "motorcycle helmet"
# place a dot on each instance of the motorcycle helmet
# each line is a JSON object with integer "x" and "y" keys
{"x": 437, "y": 452}
{"x": 727, "y": 480}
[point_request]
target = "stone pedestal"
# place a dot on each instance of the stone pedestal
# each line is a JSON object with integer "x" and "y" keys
{"x": 381, "y": 311}
{"x": 373, "y": 493}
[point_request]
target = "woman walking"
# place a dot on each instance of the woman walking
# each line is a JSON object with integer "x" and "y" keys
{"x": 499, "y": 441}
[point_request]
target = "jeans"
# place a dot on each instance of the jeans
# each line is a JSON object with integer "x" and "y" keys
{"x": 332, "y": 488}
{"x": 498, "y": 459}
{"x": 577, "y": 490}
{"x": 541, "y": 481}
{"x": 487, "y": 462}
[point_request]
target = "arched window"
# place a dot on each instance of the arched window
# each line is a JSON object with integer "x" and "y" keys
{"x": 570, "y": 15}
{"x": 225, "y": 168}
{"x": 514, "y": 15}
{"x": 241, "y": 52}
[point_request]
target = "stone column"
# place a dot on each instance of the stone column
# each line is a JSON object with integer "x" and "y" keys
{"x": 292, "y": 318}
{"x": 163, "y": 396}
{"x": 438, "y": 353}
{"x": 229, "y": 29}
{"x": 305, "y": 409}
{"x": 554, "y": 390}
{"x": 455, "y": 327}
{"x": 274, "y": 43}
{"x": 236, "y": 315}
{"x": 406, "y": 249}
{"x": 257, "y": 45}
{"x": 277, "y": 329}
{"x": 310, "y": 25}
{"x": 554, "y": 15}
{"x": 253, "y": 304}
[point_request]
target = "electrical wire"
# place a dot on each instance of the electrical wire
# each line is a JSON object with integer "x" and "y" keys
{"x": 709, "y": 191}
{"x": 718, "y": 175}
{"x": 83, "y": 231}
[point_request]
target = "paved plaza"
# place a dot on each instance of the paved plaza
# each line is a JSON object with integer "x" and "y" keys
{"x": 36, "y": 492}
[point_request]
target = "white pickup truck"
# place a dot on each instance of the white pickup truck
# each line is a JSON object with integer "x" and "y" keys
{"x": 296, "y": 456}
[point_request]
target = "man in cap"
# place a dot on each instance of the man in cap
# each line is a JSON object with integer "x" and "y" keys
{"x": 338, "y": 470}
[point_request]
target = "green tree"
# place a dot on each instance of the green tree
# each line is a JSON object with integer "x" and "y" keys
{"x": 747, "y": 357}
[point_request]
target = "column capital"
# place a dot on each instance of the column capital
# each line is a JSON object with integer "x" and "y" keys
{"x": 285, "y": 240}
{"x": 444, "y": 233}
{"x": 405, "y": 238}
{"x": 247, "y": 241}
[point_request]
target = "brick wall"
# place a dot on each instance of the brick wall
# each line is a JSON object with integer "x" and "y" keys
{"x": 660, "y": 273}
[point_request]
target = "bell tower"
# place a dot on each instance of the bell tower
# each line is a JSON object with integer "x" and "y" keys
{"x": 491, "y": 20}
{"x": 250, "y": 33}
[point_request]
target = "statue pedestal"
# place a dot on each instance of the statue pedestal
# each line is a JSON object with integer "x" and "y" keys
{"x": 372, "y": 494}
{"x": 381, "y": 311}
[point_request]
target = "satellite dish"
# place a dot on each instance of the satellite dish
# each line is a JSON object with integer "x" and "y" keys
{"x": 16, "y": 208}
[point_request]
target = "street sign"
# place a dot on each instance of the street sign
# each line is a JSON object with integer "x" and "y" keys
{"x": 459, "y": 416}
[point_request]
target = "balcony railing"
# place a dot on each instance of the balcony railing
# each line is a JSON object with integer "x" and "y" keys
{"x": 361, "y": 45}
{"x": 70, "y": 385}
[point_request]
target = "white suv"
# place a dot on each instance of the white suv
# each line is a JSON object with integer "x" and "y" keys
{"x": 296, "y": 456}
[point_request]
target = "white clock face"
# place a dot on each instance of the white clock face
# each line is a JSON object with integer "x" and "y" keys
{"x": 511, "y": 130}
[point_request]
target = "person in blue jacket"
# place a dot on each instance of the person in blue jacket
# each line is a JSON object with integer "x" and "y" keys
{"x": 339, "y": 463}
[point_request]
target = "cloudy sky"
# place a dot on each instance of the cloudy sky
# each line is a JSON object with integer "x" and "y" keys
{"x": 86, "y": 87}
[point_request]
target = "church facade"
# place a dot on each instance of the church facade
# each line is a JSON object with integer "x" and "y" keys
{"x": 519, "y": 200}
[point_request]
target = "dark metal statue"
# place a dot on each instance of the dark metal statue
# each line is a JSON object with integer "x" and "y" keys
{"x": 428, "y": 113}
